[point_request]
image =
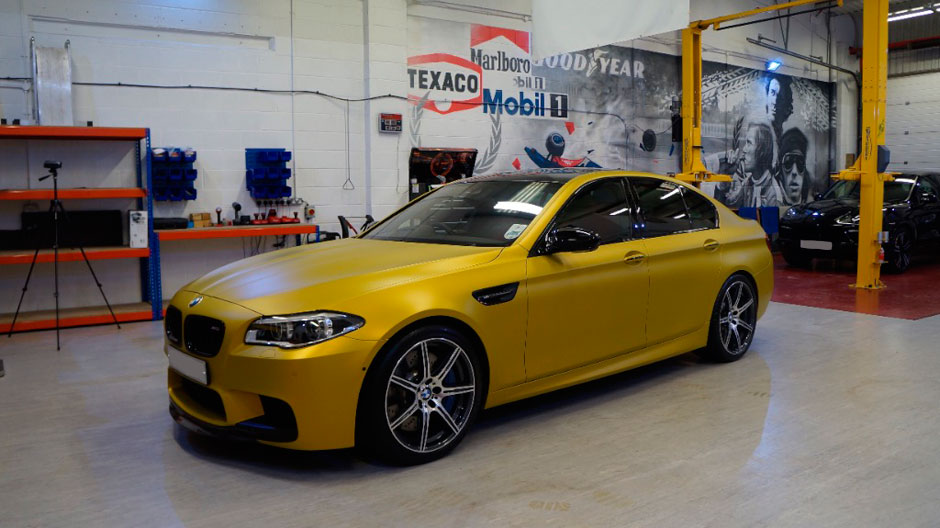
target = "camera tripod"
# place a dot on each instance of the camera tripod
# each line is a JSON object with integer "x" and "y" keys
{"x": 56, "y": 209}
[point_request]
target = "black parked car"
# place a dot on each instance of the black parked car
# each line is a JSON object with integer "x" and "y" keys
{"x": 828, "y": 227}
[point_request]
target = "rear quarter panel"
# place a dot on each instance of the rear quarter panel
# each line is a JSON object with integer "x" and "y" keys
{"x": 744, "y": 249}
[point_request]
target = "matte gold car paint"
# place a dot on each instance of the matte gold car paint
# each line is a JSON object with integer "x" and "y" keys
{"x": 575, "y": 317}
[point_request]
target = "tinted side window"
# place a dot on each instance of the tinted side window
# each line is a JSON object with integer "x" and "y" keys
{"x": 925, "y": 185}
{"x": 701, "y": 211}
{"x": 661, "y": 206}
{"x": 602, "y": 208}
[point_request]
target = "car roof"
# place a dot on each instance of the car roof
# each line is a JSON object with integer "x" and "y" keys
{"x": 550, "y": 175}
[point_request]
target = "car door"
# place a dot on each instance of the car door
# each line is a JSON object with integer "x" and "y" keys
{"x": 925, "y": 210}
{"x": 684, "y": 257}
{"x": 588, "y": 306}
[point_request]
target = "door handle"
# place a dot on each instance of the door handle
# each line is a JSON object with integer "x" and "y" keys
{"x": 634, "y": 257}
{"x": 710, "y": 245}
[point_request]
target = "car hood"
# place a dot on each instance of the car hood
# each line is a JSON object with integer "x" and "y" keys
{"x": 320, "y": 276}
{"x": 826, "y": 210}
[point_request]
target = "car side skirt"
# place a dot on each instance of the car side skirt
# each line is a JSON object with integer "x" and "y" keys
{"x": 632, "y": 360}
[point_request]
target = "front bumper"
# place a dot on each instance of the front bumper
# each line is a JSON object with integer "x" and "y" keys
{"x": 844, "y": 239}
{"x": 300, "y": 398}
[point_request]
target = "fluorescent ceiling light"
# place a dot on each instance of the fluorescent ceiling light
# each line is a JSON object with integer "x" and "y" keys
{"x": 519, "y": 207}
{"x": 912, "y": 14}
{"x": 670, "y": 193}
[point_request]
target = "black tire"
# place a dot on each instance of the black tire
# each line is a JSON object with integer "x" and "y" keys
{"x": 797, "y": 258}
{"x": 899, "y": 251}
{"x": 410, "y": 410}
{"x": 733, "y": 321}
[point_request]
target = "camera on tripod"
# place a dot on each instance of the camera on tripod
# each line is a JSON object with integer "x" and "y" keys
{"x": 53, "y": 167}
{"x": 57, "y": 210}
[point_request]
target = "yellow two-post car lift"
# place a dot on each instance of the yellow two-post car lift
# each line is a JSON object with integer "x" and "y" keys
{"x": 866, "y": 168}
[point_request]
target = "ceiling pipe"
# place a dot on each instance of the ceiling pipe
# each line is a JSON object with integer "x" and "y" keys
{"x": 479, "y": 10}
{"x": 910, "y": 44}
{"x": 824, "y": 64}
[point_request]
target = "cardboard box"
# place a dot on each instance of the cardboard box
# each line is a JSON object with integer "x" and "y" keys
{"x": 138, "y": 228}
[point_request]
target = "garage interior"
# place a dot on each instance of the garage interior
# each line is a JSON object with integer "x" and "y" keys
{"x": 184, "y": 136}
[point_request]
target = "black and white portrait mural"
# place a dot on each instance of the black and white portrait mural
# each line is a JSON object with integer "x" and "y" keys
{"x": 477, "y": 86}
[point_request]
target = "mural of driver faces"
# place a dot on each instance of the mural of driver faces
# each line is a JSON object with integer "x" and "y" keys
{"x": 773, "y": 90}
{"x": 793, "y": 176}
{"x": 758, "y": 152}
{"x": 778, "y": 102}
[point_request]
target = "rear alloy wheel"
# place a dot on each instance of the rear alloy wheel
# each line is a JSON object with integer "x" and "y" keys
{"x": 421, "y": 399}
{"x": 899, "y": 251}
{"x": 734, "y": 320}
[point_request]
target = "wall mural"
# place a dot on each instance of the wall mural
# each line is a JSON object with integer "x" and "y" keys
{"x": 477, "y": 86}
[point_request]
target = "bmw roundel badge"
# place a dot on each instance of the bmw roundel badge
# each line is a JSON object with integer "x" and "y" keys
{"x": 195, "y": 301}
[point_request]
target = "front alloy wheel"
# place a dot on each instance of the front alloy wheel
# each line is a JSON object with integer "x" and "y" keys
{"x": 430, "y": 395}
{"x": 419, "y": 397}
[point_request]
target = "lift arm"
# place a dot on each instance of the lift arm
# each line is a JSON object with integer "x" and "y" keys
{"x": 866, "y": 170}
{"x": 693, "y": 169}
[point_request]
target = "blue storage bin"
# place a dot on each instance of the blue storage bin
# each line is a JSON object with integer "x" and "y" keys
{"x": 266, "y": 174}
{"x": 158, "y": 156}
{"x": 173, "y": 174}
{"x": 770, "y": 219}
{"x": 748, "y": 212}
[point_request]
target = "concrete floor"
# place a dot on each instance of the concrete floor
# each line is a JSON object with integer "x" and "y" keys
{"x": 831, "y": 420}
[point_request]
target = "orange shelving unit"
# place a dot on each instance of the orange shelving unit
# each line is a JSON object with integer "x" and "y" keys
{"x": 73, "y": 194}
{"x": 236, "y": 231}
{"x": 72, "y": 132}
{"x": 151, "y": 305}
{"x": 25, "y": 256}
{"x": 69, "y": 317}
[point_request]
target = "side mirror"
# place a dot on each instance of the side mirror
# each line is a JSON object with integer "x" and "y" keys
{"x": 571, "y": 238}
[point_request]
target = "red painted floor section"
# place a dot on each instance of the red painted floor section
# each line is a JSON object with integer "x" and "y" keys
{"x": 914, "y": 294}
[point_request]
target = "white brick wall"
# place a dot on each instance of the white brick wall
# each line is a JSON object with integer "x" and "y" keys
{"x": 219, "y": 43}
{"x": 247, "y": 43}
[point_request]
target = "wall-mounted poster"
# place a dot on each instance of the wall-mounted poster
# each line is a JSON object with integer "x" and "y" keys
{"x": 475, "y": 86}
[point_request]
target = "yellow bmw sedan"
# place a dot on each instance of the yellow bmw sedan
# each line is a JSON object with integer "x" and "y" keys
{"x": 482, "y": 292}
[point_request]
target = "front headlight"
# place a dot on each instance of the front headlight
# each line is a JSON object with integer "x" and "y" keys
{"x": 848, "y": 219}
{"x": 300, "y": 330}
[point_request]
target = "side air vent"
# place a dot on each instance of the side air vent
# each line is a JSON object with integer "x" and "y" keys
{"x": 496, "y": 294}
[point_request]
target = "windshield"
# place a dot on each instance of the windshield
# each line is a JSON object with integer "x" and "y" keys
{"x": 483, "y": 213}
{"x": 896, "y": 190}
